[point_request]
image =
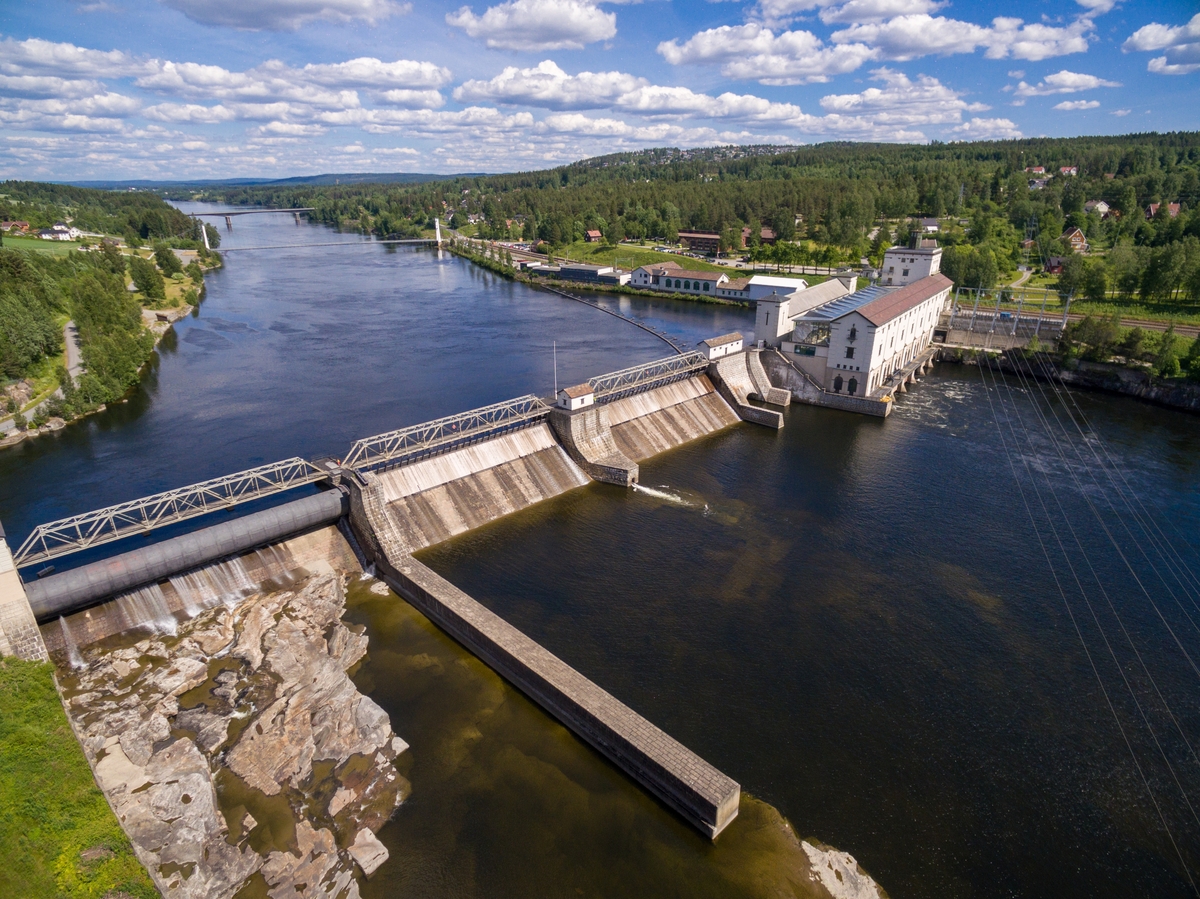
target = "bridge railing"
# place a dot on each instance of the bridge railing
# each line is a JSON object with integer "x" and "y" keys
{"x": 139, "y": 516}
{"x": 406, "y": 444}
{"x": 619, "y": 384}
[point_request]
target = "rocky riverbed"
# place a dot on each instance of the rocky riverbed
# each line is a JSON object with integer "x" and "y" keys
{"x": 238, "y": 754}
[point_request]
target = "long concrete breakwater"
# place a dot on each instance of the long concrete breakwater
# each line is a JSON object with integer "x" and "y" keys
{"x": 403, "y": 491}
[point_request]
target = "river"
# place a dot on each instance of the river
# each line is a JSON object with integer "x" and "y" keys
{"x": 854, "y": 618}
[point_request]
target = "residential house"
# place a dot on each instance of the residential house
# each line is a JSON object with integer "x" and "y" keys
{"x": 1097, "y": 206}
{"x": 930, "y": 226}
{"x": 593, "y": 236}
{"x": 14, "y": 226}
{"x": 1038, "y": 183}
{"x": 1152, "y": 210}
{"x": 1054, "y": 265}
{"x": 1068, "y": 171}
{"x": 1035, "y": 170}
{"x": 1074, "y": 238}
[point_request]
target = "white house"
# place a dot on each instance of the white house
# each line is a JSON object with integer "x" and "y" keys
{"x": 670, "y": 278}
{"x": 870, "y": 342}
{"x": 572, "y": 398}
{"x": 904, "y": 265}
{"x": 725, "y": 345}
{"x": 774, "y": 314}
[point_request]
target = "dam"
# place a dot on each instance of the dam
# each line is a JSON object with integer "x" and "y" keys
{"x": 391, "y": 496}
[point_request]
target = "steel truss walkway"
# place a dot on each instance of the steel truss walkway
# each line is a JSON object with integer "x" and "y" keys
{"x": 59, "y": 538}
{"x": 619, "y": 384}
{"x": 406, "y": 444}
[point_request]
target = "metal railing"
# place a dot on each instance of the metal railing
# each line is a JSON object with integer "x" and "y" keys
{"x": 619, "y": 384}
{"x": 405, "y": 444}
{"x": 139, "y": 516}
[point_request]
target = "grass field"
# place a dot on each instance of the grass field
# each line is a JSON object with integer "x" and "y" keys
{"x": 55, "y": 247}
{"x": 60, "y": 838}
{"x": 630, "y": 257}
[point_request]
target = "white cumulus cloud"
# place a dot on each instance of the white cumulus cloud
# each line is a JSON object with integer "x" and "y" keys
{"x": 1181, "y": 43}
{"x": 754, "y": 52}
{"x": 1070, "y": 105}
{"x": 1063, "y": 82}
{"x": 913, "y": 36}
{"x": 283, "y": 15}
{"x": 548, "y": 86}
{"x": 988, "y": 129}
{"x": 38, "y": 57}
{"x": 537, "y": 24}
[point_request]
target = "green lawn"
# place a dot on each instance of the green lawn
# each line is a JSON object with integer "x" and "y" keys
{"x": 51, "y": 811}
{"x": 57, "y": 247}
{"x": 631, "y": 257}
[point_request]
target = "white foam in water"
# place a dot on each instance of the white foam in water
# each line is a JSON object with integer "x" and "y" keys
{"x": 662, "y": 494}
{"x": 275, "y": 563}
{"x": 73, "y": 655}
{"x": 147, "y": 607}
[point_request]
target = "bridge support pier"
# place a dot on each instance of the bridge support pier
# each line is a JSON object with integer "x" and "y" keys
{"x": 587, "y": 437}
{"x": 228, "y": 223}
{"x": 19, "y": 634}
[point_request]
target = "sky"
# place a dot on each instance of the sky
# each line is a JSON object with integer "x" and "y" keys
{"x": 190, "y": 89}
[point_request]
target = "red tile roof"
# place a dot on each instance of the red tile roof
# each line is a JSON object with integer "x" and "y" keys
{"x": 887, "y": 307}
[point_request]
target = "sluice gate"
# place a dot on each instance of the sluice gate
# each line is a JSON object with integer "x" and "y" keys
{"x": 406, "y": 490}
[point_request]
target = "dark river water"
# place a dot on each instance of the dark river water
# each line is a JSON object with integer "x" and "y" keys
{"x": 975, "y": 689}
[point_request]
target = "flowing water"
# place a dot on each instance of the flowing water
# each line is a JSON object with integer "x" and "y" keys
{"x": 854, "y": 618}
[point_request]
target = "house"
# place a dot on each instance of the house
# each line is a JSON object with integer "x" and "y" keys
{"x": 872, "y": 334}
{"x": 903, "y": 265}
{"x": 765, "y": 235}
{"x": 1054, "y": 265}
{"x": 930, "y": 226}
{"x": 593, "y": 236}
{"x": 725, "y": 345}
{"x": 1068, "y": 171}
{"x": 1097, "y": 206}
{"x": 1028, "y": 244}
{"x": 14, "y": 226}
{"x": 1074, "y": 239}
{"x": 706, "y": 242}
{"x": 758, "y": 286}
{"x": 1152, "y": 210}
{"x": 1038, "y": 183}
{"x": 678, "y": 280}
{"x": 573, "y": 398}
{"x": 57, "y": 232}
{"x": 1035, "y": 170}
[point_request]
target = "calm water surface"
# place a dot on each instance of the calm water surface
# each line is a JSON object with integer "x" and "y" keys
{"x": 853, "y": 618}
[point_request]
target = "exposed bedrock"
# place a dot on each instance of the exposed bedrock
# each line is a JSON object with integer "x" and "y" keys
{"x": 240, "y": 749}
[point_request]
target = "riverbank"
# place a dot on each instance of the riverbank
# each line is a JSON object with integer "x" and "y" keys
{"x": 61, "y": 839}
{"x": 1103, "y": 377}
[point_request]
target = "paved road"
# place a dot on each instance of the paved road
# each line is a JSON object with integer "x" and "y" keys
{"x": 74, "y": 355}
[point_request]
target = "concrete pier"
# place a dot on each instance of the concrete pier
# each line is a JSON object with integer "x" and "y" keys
{"x": 733, "y": 381}
{"x": 686, "y": 783}
{"x": 586, "y": 435}
{"x": 19, "y": 634}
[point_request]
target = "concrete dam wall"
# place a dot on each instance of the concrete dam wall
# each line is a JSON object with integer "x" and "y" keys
{"x": 646, "y": 424}
{"x": 437, "y": 498}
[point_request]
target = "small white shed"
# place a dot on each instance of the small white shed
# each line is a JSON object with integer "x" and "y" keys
{"x": 572, "y": 398}
{"x": 725, "y": 345}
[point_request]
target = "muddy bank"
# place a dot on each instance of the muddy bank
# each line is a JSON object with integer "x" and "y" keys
{"x": 238, "y": 754}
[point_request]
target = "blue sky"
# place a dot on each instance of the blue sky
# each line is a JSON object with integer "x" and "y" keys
{"x": 228, "y": 88}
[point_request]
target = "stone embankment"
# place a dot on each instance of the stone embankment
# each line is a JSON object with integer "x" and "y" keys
{"x": 238, "y": 753}
{"x": 1105, "y": 377}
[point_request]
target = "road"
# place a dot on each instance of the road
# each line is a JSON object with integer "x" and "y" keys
{"x": 74, "y": 357}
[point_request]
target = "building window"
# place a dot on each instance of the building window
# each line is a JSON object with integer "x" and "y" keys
{"x": 853, "y": 332}
{"x": 677, "y": 284}
{"x": 849, "y": 352}
{"x": 706, "y": 285}
{"x": 853, "y": 386}
{"x": 687, "y": 285}
{"x": 905, "y": 274}
{"x": 837, "y": 384}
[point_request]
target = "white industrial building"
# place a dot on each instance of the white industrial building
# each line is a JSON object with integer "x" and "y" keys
{"x": 904, "y": 265}
{"x": 670, "y": 277}
{"x": 774, "y": 313}
{"x": 855, "y": 344}
{"x": 758, "y": 286}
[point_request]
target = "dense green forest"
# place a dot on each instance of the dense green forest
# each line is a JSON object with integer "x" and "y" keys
{"x": 133, "y": 215}
{"x": 41, "y": 291}
{"x": 831, "y": 198}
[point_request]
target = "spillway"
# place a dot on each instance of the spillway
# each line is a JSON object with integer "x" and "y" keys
{"x": 437, "y": 498}
{"x": 653, "y": 422}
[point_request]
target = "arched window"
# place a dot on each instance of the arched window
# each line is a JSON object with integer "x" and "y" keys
{"x": 687, "y": 285}
{"x": 853, "y": 386}
{"x": 677, "y": 284}
{"x": 837, "y": 384}
{"x": 706, "y": 285}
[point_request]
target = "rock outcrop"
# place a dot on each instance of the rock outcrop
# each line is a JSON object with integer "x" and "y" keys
{"x": 240, "y": 748}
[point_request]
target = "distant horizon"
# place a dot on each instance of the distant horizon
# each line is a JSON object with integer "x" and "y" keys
{"x": 188, "y": 90}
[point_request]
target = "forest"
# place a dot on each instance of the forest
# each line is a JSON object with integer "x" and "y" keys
{"x": 838, "y": 202}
